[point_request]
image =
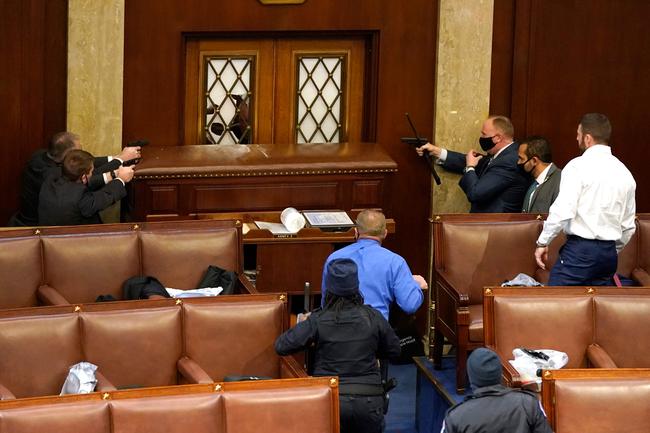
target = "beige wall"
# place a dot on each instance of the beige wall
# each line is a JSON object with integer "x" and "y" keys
{"x": 95, "y": 71}
{"x": 462, "y": 88}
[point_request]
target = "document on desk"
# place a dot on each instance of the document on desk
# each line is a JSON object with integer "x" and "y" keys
{"x": 338, "y": 219}
{"x": 275, "y": 228}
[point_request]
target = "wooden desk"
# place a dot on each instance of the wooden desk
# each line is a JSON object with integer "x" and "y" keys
{"x": 183, "y": 181}
{"x": 284, "y": 264}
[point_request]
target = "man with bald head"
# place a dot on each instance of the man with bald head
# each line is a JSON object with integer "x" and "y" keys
{"x": 491, "y": 182}
{"x": 384, "y": 277}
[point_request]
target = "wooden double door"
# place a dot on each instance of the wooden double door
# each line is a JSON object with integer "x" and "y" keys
{"x": 274, "y": 90}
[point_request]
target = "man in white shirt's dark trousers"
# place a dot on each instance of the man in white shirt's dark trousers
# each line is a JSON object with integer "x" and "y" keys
{"x": 595, "y": 208}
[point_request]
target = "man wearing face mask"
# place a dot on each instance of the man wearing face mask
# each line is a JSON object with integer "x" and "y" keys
{"x": 492, "y": 182}
{"x": 535, "y": 161}
{"x": 66, "y": 199}
{"x": 595, "y": 208}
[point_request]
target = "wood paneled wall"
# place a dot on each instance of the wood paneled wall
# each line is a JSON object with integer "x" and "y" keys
{"x": 554, "y": 60}
{"x": 153, "y": 79}
{"x": 33, "y": 55}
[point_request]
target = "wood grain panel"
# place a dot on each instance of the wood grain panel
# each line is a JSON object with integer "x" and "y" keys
{"x": 366, "y": 193}
{"x": 33, "y": 38}
{"x": 222, "y": 198}
{"x": 405, "y": 44}
{"x": 568, "y": 58}
{"x": 164, "y": 199}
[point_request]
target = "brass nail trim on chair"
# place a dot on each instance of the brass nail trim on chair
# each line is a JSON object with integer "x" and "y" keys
{"x": 106, "y": 396}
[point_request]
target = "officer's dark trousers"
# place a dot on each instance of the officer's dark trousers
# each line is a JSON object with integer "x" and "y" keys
{"x": 361, "y": 413}
{"x": 585, "y": 262}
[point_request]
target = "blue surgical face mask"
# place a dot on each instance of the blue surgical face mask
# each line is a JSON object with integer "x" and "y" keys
{"x": 486, "y": 143}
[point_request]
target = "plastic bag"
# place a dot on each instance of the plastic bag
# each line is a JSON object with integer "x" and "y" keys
{"x": 527, "y": 365}
{"x": 522, "y": 280}
{"x": 194, "y": 293}
{"x": 81, "y": 379}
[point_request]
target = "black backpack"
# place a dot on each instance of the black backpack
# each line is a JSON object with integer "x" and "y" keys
{"x": 142, "y": 287}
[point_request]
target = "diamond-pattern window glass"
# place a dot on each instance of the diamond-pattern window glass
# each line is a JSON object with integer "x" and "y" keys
{"x": 320, "y": 98}
{"x": 228, "y": 99}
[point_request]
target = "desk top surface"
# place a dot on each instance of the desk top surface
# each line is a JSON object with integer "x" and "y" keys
{"x": 259, "y": 159}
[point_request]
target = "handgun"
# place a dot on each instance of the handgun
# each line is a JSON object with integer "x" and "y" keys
{"x": 535, "y": 354}
{"x": 131, "y": 162}
{"x": 417, "y": 142}
{"x": 137, "y": 143}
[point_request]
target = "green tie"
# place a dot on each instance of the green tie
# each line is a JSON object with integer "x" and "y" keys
{"x": 531, "y": 189}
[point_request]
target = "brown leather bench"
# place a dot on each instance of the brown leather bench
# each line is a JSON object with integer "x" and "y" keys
{"x": 286, "y": 406}
{"x": 597, "y": 401}
{"x": 143, "y": 343}
{"x": 472, "y": 251}
{"x": 63, "y": 265}
{"x": 596, "y": 327}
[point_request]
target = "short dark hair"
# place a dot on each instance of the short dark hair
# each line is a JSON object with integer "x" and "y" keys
{"x": 538, "y": 146}
{"x": 76, "y": 163}
{"x": 60, "y": 143}
{"x": 597, "y": 125}
{"x": 503, "y": 124}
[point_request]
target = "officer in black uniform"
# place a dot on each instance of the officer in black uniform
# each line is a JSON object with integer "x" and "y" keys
{"x": 492, "y": 407}
{"x": 348, "y": 337}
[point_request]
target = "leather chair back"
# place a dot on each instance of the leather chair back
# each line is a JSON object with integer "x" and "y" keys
{"x": 86, "y": 417}
{"x": 20, "y": 268}
{"x": 643, "y": 233}
{"x": 84, "y": 266}
{"x": 179, "y": 259}
{"x": 309, "y": 410}
{"x": 37, "y": 352}
{"x": 564, "y": 323}
{"x": 603, "y": 405}
{"x": 134, "y": 348}
{"x": 487, "y": 254}
{"x": 623, "y": 329}
{"x": 221, "y": 339}
{"x": 174, "y": 414}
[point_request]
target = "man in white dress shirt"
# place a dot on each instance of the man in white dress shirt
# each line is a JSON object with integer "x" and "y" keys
{"x": 595, "y": 208}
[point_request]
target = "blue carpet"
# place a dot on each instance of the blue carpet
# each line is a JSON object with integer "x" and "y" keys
{"x": 435, "y": 393}
{"x": 401, "y": 410}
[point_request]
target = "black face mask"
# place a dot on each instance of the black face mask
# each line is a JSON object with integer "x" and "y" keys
{"x": 522, "y": 170}
{"x": 486, "y": 143}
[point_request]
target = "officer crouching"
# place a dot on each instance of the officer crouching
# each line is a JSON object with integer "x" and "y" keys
{"x": 348, "y": 338}
{"x": 492, "y": 407}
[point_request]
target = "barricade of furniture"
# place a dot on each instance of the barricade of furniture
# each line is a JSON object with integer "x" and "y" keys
{"x": 472, "y": 251}
{"x": 595, "y": 327}
{"x": 286, "y": 406}
{"x": 64, "y": 265}
{"x": 597, "y": 400}
{"x": 143, "y": 343}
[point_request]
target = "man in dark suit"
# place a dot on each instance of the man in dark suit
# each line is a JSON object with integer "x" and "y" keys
{"x": 492, "y": 182}
{"x": 66, "y": 199}
{"x": 46, "y": 162}
{"x": 535, "y": 160}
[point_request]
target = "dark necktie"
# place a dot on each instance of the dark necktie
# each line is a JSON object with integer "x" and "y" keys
{"x": 531, "y": 189}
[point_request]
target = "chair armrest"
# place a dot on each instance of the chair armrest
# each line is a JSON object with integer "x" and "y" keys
{"x": 244, "y": 285}
{"x": 599, "y": 358}
{"x": 444, "y": 288}
{"x": 192, "y": 371}
{"x": 103, "y": 384}
{"x": 50, "y": 296}
{"x": 641, "y": 276}
{"x": 5, "y": 394}
{"x": 290, "y": 368}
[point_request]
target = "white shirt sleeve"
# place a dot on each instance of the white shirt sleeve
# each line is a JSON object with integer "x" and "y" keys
{"x": 443, "y": 157}
{"x": 628, "y": 225}
{"x": 565, "y": 206}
